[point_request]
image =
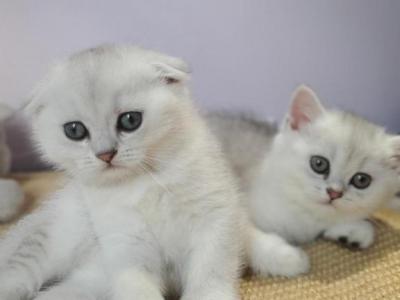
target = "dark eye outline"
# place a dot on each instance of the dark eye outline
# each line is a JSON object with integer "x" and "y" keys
{"x": 138, "y": 118}
{"x": 314, "y": 159}
{"x": 355, "y": 183}
{"x": 84, "y": 133}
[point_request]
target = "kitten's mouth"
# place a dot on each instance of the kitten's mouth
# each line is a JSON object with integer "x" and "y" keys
{"x": 326, "y": 202}
{"x": 110, "y": 167}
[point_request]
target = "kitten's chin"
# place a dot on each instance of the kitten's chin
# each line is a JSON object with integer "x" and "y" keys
{"x": 336, "y": 209}
{"x": 110, "y": 175}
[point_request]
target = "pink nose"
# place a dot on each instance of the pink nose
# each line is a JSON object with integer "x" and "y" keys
{"x": 107, "y": 156}
{"x": 333, "y": 195}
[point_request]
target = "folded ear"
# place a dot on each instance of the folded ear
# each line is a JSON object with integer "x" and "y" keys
{"x": 5, "y": 112}
{"x": 172, "y": 70}
{"x": 304, "y": 109}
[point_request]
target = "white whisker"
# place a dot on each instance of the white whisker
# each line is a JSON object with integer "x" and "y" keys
{"x": 143, "y": 166}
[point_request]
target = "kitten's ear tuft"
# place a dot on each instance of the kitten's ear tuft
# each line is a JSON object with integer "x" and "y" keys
{"x": 395, "y": 152}
{"x": 32, "y": 107}
{"x": 304, "y": 109}
{"x": 172, "y": 70}
{"x": 5, "y": 112}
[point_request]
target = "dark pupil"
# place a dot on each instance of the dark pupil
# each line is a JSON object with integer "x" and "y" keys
{"x": 129, "y": 121}
{"x": 361, "y": 180}
{"x": 75, "y": 130}
{"x": 320, "y": 165}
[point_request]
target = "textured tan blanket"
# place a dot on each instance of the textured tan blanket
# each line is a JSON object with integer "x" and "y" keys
{"x": 337, "y": 273}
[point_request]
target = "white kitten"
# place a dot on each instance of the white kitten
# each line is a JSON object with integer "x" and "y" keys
{"x": 11, "y": 194}
{"x": 323, "y": 173}
{"x": 150, "y": 207}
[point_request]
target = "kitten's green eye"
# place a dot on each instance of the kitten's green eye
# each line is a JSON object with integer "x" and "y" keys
{"x": 319, "y": 164}
{"x": 75, "y": 130}
{"x": 361, "y": 180}
{"x": 129, "y": 121}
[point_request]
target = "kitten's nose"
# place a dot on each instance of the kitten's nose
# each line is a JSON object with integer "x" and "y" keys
{"x": 107, "y": 156}
{"x": 333, "y": 194}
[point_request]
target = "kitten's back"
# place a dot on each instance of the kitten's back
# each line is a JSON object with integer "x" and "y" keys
{"x": 245, "y": 140}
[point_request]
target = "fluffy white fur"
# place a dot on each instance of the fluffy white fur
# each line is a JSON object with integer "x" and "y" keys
{"x": 162, "y": 219}
{"x": 11, "y": 195}
{"x": 288, "y": 201}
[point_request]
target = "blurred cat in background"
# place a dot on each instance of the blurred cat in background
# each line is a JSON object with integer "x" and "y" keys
{"x": 11, "y": 195}
{"x": 322, "y": 174}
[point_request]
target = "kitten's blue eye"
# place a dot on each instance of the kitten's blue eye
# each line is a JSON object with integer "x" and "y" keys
{"x": 129, "y": 121}
{"x": 361, "y": 181}
{"x": 75, "y": 130}
{"x": 320, "y": 164}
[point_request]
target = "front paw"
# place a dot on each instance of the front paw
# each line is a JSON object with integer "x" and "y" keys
{"x": 269, "y": 254}
{"x": 292, "y": 261}
{"x": 10, "y": 289}
{"x": 357, "y": 235}
{"x": 285, "y": 260}
{"x": 10, "y": 293}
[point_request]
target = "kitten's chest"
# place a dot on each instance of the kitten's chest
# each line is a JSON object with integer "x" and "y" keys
{"x": 302, "y": 228}
{"x": 152, "y": 212}
{"x": 289, "y": 221}
{"x": 169, "y": 219}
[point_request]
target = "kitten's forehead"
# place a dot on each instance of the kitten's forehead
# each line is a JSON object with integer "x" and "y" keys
{"x": 350, "y": 132}
{"x": 95, "y": 81}
{"x": 97, "y": 76}
{"x": 352, "y": 143}
{"x": 102, "y": 75}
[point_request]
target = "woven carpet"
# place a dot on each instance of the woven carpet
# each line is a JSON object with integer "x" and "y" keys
{"x": 337, "y": 273}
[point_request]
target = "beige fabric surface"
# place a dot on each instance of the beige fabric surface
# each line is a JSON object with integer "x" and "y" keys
{"x": 337, "y": 273}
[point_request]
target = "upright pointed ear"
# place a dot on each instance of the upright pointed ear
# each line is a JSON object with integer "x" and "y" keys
{"x": 304, "y": 109}
{"x": 394, "y": 145}
{"x": 5, "y": 112}
{"x": 172, "y": 70}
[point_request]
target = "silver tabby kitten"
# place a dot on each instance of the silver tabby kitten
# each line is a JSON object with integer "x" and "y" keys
{"x": 323, "y": 172}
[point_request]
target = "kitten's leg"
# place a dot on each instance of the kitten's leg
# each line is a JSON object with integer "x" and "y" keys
{"x": 132, "y": 257}
{"x": 22, "y": 253}
{"x": 213, "y": 264}
{"x": 37, "y": 249}
{"x": 138, "y": 284}
{"x": 356, "y": 235}
{"x": 270, "y": 254}
{"x": 88, "y": 282}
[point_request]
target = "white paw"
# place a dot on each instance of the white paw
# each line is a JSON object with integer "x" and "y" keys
{"x": 134, "y": 284}
{"x": 9, "y": 293}
{"x": 291, "y": 261}
{"x": 357, "y": 235}
{"x": 288, "y": 261}
{"x": 64, "y": 294}
{"x": 12, "y": 289}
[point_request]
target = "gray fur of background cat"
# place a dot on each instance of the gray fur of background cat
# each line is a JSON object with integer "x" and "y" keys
{"x": 245, "y": 140}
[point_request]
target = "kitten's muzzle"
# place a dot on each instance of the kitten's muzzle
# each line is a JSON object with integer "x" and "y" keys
{"x": 107, "y": 156}
{"x": 333, "y": 194}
